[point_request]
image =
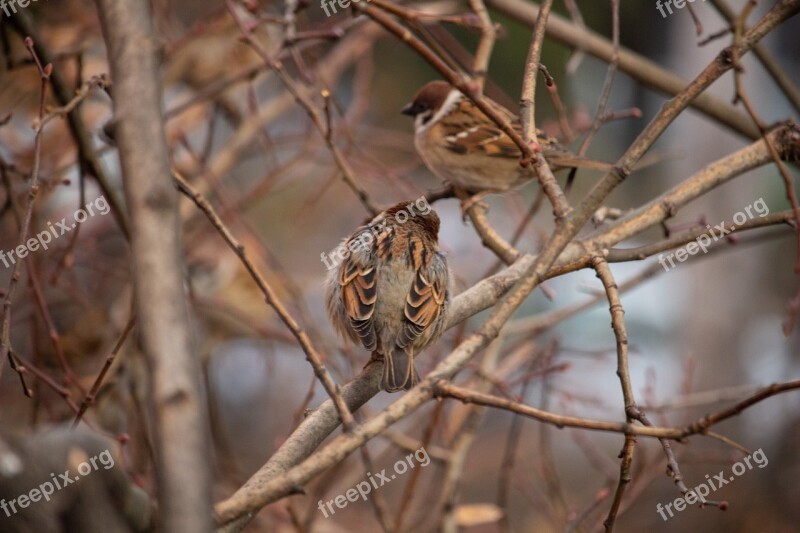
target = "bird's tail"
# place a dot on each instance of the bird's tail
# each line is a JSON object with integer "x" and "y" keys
{"x": 558, "y": 161}
{"x": 398, "y": 371}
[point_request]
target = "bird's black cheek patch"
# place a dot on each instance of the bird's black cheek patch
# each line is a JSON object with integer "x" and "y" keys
{"x": 457, "y": 148}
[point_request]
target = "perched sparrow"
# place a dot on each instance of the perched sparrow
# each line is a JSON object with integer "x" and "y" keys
{"x": 391, "y": 294}
{"x": 463, "y": 146}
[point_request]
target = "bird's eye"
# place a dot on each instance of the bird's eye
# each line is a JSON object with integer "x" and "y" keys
{"x": 426, "y": 116}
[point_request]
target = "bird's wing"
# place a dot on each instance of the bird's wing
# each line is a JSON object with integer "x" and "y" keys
{"x": 468, "y": 130}
{"x": 358, "y": 278}
{"x": 426, "y": 296}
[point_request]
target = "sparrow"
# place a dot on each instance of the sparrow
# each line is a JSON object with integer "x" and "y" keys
{"x": 391, "y": 293}
{"x": 462, "y": 146}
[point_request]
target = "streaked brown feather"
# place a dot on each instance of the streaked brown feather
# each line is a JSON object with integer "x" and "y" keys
{"x": 398, "y": 372}
{"x": 423, "y": 305}
{"x": 467, "y": 130}
{"x": 475, "y": 142}
{"x": 371, "y": 302}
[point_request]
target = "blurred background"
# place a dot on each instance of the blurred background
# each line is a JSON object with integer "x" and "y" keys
{"x": 707, "y": 333}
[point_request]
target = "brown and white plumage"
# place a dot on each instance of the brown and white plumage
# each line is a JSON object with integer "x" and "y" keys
{"x": 463, "y": 146}
{"x": 391, "y": 295}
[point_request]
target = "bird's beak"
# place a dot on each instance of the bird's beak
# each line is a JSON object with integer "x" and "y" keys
{"x": 409, "y": 110}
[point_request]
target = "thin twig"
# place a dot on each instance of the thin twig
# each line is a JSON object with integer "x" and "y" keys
{"x": 605, "y": 94}
{"x": 5, "y": 335}
{"x": 90, "y": 397}
{"x": 623, "y": 372}
{"x": 527, "y": 116}
{"x": 22, "y": 22}
{"x": 444, "y": 389}
{"x": 271, "y": 298}
{"x": 301, "y": 96}
{"x": 483, "y": 53}
{"x": 781, "y": 78}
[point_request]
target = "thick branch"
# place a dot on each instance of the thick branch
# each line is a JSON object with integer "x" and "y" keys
{"x": 182, "y": 453}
